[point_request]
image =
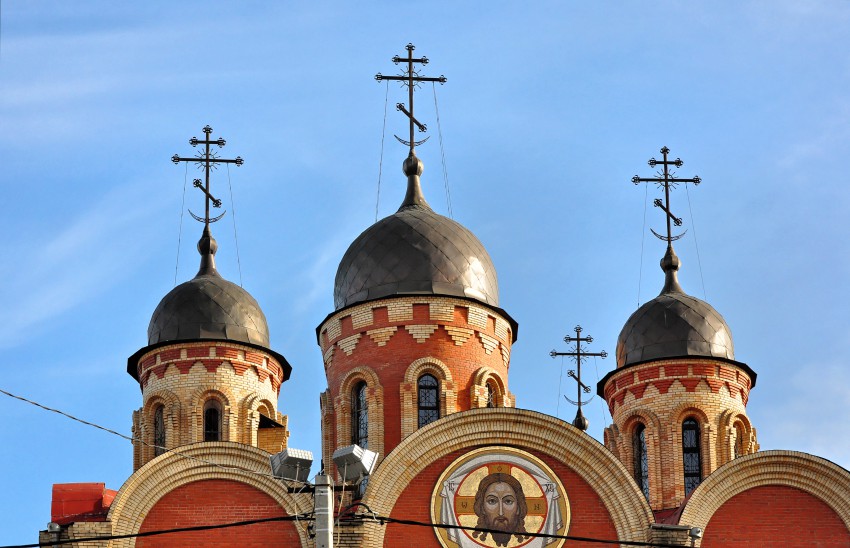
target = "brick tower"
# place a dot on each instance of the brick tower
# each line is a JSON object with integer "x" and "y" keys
{"x": 207, "y": 373}
{"x": 417, "y": 333}
{"x": 678, "y": 397}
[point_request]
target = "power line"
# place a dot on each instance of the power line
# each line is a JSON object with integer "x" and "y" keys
{"x": 173, "y": 451}
{"x": 164, "y": 531}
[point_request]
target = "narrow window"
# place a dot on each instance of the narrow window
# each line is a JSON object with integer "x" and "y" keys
{"x": 212, "y": 421}
{"x": 641, "y": 463}
{"x": 691, "y": 455}
{"x": 491, "y": 395}
{"x": 739, "y": 440}
{"x": 159, "y": 430}
{"x": 359, "y": 416}
{"x": 429, "y": 400}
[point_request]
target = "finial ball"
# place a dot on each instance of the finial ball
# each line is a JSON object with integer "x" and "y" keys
{"x": 412, "y": 165}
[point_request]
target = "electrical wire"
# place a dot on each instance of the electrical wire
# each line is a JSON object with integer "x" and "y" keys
{"x": 180, "y": 229}
{"x": 386, "y": 519}
{"x": 442, "y": 153}
{"x": 235, "y": 237}
{"x": 696, "y": 244}
{"x": 381, "y": 161}
{"x": 560, "y": 382}
{"x": 174, "y": 451}
{"x": 161, "y": 532}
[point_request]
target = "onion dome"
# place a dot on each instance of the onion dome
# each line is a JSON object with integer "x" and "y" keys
{"x": 674, "y": 325}
{"x": 208, "y": 307}
{"x": 415, "y": 251}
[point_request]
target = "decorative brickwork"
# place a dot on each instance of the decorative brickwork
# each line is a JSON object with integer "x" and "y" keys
{"x": 661, "y": 395}
{"x": 559, "y": 444}
{"x": 239, "y": 464}
{"x": 824, "y": 480}
{"x": 183, "y": 378}
{"x": 389, "y": 343}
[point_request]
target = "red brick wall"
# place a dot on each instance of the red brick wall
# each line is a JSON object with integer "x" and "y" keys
{"x": 211, "y": 502}
{"x": 775, "y": 516}
{"x": 589, "y": 518}
{"x": 390, "y": 363}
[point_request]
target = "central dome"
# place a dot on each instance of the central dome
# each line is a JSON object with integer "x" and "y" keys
{"x": 415, "y": 251}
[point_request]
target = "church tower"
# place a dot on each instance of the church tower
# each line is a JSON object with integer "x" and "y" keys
{"x": 678, "y": 397}
{"x": 417, "y": 333}
{"x": 207, "y": 373}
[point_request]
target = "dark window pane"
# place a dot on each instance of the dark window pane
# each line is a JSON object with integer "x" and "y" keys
{"x": 212, "y": 424}
{"x": 491, "y": 396}
{"x": 641, "y": 462}
{"x": 359, "y": 416}
{"x": 429, "y": 399}
{"x": 691, "y": 458}
{"x": 159, "y": 431}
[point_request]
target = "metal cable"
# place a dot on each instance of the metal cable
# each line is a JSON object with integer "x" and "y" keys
{"x": 235, "y": 238}
{"x": 180, "y": 228}
{"x": 442, "y": 153}
{"x": 173, "y": 451}
{"x": 642, "y": 240}
{"x": 560, "y": 382}
{"x": 381, "y": 161}
{"x": 696, "y": 244}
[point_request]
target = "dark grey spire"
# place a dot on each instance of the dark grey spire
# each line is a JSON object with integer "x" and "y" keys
{"x": 412, "y": 168}
{"x": 207, "y": 246}
{"x": 670, "y": 265}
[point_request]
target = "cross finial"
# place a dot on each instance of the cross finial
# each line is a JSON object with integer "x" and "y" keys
{"x": 207, "y": 159}
{"x": 666, "y": 179}
{"x": 410, "y": 77}
{"x": 578, "y": 355}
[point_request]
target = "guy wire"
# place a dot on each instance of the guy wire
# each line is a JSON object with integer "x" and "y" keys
{"x": 381, "y": 161}
{"x": 180, "y": 229}
{"x": 696, "y": 244}
{"x": 442, "y": 153}
{"x": 235, "y": 238}
{"x": 642, "y": 239}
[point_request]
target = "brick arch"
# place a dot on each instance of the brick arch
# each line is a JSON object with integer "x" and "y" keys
{"x": 654, "y": 434}
{"x": 519, "y": 428}
{"x": 198, "y": 400}
{"x": 478, "y": 390}
{"x": 409, "y": 391}
{"x": 235, "y": 462}
{"x": 249, "y": 411}
{"x": 727, "y": 429}
{"x": 171, "y": 418}
{"x": 813, "y": 475}
{"x": 374, "y": 401}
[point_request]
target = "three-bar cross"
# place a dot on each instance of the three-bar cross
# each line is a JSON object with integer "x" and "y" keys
{"x": 410, "y": 78}
{"x": 206, "y": 160}
{"x": 666, "y": 179}
{"x": 580, "y": 421}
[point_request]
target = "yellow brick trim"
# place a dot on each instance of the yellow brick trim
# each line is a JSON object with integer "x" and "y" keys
{"x": 381, "y": 335}
{"x": 167, "y": 472}
{"x": 820, "y": 478}
{"x": 458, "y": 334}
{"x": 489, "y": 343}
{"x": 527, "y": 430}
{"x": 348, "y": 344}
{"x": 421, "y": 332}
{"x": 409, "y": 394}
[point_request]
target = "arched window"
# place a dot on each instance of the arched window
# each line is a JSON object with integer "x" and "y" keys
{"x": 429, "y": 399}
{"x": 212, "y": 421}
{"x": 641, "y": 462}
{"x": 691, "y": 455}
{"x": 739, "y": 440}
{"x": 159, "y": 430}
{"x": 491, "y": 395}
{"x": 359, "y": 416}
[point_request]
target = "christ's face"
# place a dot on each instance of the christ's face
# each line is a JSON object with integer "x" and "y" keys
{"x": 500, "y": 507}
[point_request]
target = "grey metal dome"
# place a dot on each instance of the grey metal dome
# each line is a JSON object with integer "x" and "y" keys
{"x": 208, "y": 307}
{"x": 674, "y": 325}
{"x": 415, "y": 251}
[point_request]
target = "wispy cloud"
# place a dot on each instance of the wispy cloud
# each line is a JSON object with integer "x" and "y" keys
{"x": 55, "y": 273}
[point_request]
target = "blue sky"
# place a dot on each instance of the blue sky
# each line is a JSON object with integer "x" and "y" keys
{"x": 549, "y": 110}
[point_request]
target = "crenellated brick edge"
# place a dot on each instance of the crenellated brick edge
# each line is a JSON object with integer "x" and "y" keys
{"x": 184, "y": 356}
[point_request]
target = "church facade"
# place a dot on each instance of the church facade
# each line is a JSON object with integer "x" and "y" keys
{"x": 417, "y": 358}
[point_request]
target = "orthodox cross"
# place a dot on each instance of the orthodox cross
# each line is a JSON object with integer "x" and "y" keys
{"x": 410, "y": 78}
{"x": 666, "y": 178}
{"x": 207, "y": 159}
{"x": 580, "y": 421}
